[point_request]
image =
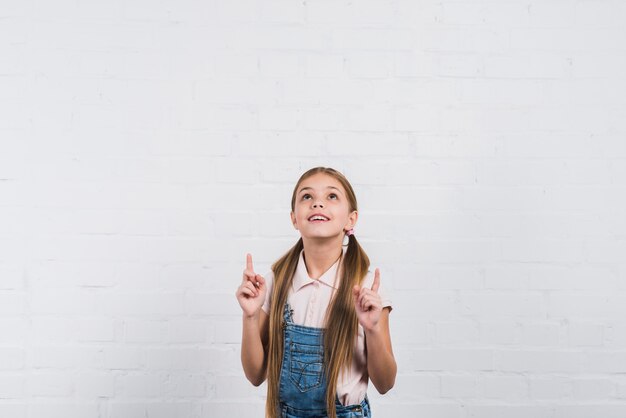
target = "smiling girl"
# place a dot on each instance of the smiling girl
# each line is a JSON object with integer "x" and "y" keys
{"x": 317, "y": 326}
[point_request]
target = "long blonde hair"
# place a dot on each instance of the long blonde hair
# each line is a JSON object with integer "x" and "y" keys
{"x": 341, "y": 321}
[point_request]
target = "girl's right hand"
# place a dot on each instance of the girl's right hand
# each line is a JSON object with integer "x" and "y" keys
{"x": 251, "y": 293}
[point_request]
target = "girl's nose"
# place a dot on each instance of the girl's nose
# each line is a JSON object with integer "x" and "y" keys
{"x": 317, "y": 204}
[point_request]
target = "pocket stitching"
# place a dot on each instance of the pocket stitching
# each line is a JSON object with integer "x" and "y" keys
{"x": 299, "y": 375}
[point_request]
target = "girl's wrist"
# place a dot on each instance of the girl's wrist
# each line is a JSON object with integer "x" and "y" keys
{"x": 374, "y": 330}
{"x": 253, "y": 317}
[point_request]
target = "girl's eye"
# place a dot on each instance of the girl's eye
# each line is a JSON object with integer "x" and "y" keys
{"x": 308, "y": 195}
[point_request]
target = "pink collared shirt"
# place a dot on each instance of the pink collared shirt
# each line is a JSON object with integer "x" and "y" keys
{"x": 309, "y": 299}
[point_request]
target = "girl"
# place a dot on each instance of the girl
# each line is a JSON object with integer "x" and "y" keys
{"x": 317, "y": 326}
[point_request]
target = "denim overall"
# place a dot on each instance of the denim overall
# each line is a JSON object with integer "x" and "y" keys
{"x": 302, "y": 388}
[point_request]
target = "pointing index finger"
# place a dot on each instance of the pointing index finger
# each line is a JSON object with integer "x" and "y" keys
{"x": 249, "y": 262}
{"x": 376, "y": 284}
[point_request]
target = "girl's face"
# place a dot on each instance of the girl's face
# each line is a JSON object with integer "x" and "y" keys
{"x": 323, "y": 195}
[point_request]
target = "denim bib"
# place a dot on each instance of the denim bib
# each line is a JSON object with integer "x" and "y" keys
{"x": 302, "y": 387}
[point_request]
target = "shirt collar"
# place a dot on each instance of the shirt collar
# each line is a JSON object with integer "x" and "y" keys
{"x": 301, "y": 277}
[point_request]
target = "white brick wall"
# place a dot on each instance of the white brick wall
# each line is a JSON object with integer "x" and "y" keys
{"x": 145, "y": 147}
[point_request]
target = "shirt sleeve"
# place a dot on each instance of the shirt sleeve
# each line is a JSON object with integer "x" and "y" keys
{"x": 383, "y": 290}
{"x": 269, "y": 282}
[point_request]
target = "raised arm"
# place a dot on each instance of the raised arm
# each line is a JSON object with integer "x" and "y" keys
{"x": 251, "y": 296}
{"x": 381, "y": 364}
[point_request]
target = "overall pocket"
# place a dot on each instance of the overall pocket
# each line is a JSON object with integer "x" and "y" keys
{"x": 306, "y": 368}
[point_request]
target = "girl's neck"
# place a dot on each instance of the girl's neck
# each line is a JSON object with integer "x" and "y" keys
{"x": 319, "y": 256}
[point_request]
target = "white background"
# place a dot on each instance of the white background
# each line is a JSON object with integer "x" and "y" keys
{"x": 146, "y": 146}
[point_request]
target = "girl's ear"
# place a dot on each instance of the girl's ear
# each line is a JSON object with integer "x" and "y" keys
{"x": 354, "y": 216}
{"x": 293, "y": 220}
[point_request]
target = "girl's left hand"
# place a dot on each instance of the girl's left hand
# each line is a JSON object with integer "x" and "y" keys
{"x": 368, "y": 303}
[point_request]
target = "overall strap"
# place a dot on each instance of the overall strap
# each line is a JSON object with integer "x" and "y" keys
{"x": 288, "y": 314}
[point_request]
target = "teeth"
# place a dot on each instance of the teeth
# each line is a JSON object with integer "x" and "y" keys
{"x": 318, "y": 218}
